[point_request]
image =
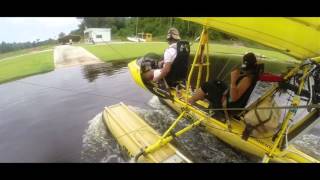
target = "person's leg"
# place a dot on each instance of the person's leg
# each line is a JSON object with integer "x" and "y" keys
{"x": 156, "y": 73}
{"x": 211, "y": 90}
{"x": 148, "y": 75}
{"x": 198, "y": 95}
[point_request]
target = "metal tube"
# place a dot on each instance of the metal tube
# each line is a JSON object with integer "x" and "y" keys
{"x": 174, "y": 124}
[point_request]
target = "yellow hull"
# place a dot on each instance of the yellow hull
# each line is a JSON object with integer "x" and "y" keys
{"x": 233, "y": 137}
{"x": 133, "y": 135}
{"x": 257, "y": 147}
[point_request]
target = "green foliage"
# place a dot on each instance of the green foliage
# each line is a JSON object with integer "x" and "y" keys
{"x": 10, "y": 47}
{"x": 26, "y": 65}
{"x": 132, "y": 50}
{"x": 125, "y": 51}
{"x": 158, "y": 26}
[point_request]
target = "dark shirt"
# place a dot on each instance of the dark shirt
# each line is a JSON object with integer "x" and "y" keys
{"x": 242, "y": 101}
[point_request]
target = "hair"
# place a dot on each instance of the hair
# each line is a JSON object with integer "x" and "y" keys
{"x": 172, "y": 40}
{"x": 252, "y": 67}
{"x": 250, "y": 57}
{"x": 251, "y": 60}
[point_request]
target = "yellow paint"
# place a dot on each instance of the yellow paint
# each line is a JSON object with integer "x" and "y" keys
{"x": 133, "y": 134}
{"x": 257, "y": 147}
{"x": 299, "y": 37}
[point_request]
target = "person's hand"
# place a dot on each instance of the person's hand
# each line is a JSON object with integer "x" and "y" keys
{"x": 154, "y": 80}
{"x": 161, "y": 64}
{"x": 235, "y": 75}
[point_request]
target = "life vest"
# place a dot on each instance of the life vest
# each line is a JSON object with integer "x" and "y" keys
{"x": 242, "y": 101}
{"x": 179, "y": 67}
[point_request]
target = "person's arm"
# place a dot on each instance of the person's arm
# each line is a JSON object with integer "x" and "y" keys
{"x": 236, "y": 91}
{"x": 169, "y": 56}
{"x": 164, "y": 71}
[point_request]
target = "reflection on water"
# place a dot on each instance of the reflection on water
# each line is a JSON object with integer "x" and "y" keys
{"x": 91, "y": 72}
{"x": 43, "y": 117}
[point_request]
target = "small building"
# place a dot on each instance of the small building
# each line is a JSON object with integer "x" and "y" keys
{"x": 97, "y": 35}
{"x": 69, "y": 39}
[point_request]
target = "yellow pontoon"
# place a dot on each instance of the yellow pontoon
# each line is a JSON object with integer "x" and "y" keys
{"x": 298, "y": 37}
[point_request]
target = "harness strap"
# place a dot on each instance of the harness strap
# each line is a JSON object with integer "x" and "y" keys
{"x": 224, "y": 105}
{"x": 249, "y": 128}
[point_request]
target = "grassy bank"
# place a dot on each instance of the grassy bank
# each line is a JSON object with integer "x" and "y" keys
{"x": 26, "y": 65}
{"x": 131, "y": 50}
{"x": 24, "y": 51}
{"x": 124, "y": 50}
{"x": 17, "y": 65}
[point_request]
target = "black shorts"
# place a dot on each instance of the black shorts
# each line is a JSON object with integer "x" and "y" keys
{"x": 214, "y": 91}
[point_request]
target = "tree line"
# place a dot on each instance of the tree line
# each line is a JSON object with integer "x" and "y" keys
{"x": 121, "y": 27}
{"x": 7, "y": 47}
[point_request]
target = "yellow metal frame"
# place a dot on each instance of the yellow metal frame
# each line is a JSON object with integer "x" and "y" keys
{"x": 165, "y": 139}
{"x": 201, "y": 59}
{"x": 271, "y": 151}
{"x": 295, "y": 102}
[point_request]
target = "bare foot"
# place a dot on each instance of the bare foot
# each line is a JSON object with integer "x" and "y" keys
{"x": 190, "y": 101}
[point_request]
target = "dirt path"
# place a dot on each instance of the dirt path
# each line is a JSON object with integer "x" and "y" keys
{"x": 66, "y": 56}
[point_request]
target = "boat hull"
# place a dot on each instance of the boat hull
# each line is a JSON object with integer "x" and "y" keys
{"x": 233, "y": 137}
{"x": 133, "y": 134}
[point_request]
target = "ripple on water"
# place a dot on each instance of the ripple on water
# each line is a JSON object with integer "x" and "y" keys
{"x": 200, "y": 146}
{"x": 100, "y": 146}
{"x": 98, "y": 143}
{"x": 310, "y": 144}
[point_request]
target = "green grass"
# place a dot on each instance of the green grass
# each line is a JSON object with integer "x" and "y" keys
{"x": 21, "y": 65}
{"x": 25, "y": 65}
{"x": 240, "y": 50}
{"x": 24, "y": 51}
{"x": 223, "y": 57}
{"x": 124, "y": 51}
{"x": 131, "y": 50}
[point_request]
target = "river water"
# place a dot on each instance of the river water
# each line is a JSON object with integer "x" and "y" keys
{"x": 56, "y": 117}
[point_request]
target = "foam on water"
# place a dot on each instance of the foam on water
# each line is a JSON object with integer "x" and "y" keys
{"x": 100, "y": 146}
{"x": 200, "y": 145}
{"x": 197, "y": 144}
{"x": 310, "y": 144}
{"x": 98, "y": 143}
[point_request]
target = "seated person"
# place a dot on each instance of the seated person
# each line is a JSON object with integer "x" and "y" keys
{"x": 169, "y": 56}
{"x": 240, "y": 89}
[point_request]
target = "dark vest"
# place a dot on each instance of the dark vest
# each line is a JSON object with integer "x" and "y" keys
{"x": 242, "y": 101}
{"x": 179, "y": 67}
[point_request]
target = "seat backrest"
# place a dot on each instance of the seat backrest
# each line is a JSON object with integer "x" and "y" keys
{"x": 179, "y": 67}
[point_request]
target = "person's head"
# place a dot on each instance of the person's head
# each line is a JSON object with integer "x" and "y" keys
{"x": 173, "y": 35}
{"x": 249, "y": 63}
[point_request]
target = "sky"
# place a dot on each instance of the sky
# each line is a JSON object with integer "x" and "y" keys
{"x": 23, "y": 29}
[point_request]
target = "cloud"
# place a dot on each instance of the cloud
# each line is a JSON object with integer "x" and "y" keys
{"x": 46, "y": 21}
{"x": 20, "y": 29}
{"x": 57, "y": 21}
